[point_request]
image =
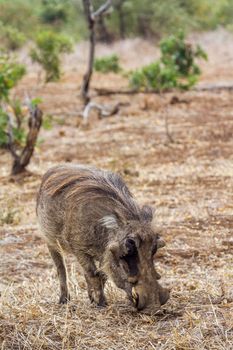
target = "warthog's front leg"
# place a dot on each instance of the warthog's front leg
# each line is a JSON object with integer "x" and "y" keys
{"x": 95, "y": 280}
{"x": 95, "y": 287}
{"x": 62, "y": 274}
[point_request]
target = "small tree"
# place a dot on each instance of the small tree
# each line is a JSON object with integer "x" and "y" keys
{"x": 13, "y": 134}
{"x": 179, "y": 56}
{"x": 91, "y": 17}
{"x": 49, "y": 47}
{"x": 22, "y": 153}
{"x": 175, "y": 69}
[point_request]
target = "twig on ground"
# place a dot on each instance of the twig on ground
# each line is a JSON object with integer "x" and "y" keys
{"x": 103, "y": 111}
{"x": 168, "y": 133}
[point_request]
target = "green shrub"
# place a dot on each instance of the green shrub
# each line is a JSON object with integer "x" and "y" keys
{"x": 10, "y": 37}
{"x": 107, "y": 64}
{"x": 153, "y": 77}
{"x": 175, "y": 69}
{"x": 10, "y": 73}
{"x": 49, "y": 47}
{"x": 54, "y": 11}
{"x": 177, "y": 53}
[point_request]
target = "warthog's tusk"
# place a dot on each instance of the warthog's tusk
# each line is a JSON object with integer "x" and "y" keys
{"x": 134, "y": 296}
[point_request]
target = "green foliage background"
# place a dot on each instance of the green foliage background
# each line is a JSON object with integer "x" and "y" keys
{"x": 129, "y": 18}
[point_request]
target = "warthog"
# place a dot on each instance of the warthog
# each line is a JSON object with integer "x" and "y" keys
{"x": 92, "y": 214}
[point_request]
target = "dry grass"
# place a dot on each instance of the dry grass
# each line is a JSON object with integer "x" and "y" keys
{"x": 190, "y": 183}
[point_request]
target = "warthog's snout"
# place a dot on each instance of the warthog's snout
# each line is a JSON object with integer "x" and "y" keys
{"x": 136, "y": 257}
{"x": 142, "y": 300}
{"x": 139, "y": 298}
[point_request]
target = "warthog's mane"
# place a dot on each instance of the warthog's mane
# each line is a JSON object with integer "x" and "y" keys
{"x": 81, "y": 184}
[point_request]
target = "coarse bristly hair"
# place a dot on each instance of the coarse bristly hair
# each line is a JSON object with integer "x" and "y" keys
{"x": 81, "y": 183}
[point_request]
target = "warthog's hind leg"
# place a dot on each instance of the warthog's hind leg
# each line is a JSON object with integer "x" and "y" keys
{"x": 62, "y": 274}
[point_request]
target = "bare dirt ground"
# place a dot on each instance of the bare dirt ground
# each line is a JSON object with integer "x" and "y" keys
{"x": 187, "y": 177}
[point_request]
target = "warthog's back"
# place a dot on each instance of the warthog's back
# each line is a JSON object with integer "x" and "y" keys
{"x": 73, "y": 198}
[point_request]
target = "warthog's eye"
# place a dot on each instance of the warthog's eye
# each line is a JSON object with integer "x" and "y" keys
{"x": 154, "y": 249}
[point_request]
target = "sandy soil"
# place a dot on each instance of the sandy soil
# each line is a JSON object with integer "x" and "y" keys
{"x": 175, "y": 157}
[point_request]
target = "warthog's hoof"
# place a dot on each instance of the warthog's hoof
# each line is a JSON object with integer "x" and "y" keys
{"x": 64, "y": 298}
{"x": 164, "y": 295}
{"x": 99, "y": 300}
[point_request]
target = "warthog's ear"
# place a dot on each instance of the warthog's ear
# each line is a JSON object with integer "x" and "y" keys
{"x": 160, "y": 242}
{"x": 109, "y": 221}
{"x": 147, "y": 213}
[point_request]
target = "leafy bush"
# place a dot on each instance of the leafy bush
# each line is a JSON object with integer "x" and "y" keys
{"x": 154, "y": 77}
{"x": 175, "y": 69}
{"x": 10, "y": 73}
{"x": 49, "y": 47}
{"x": 107, "y": 64}
{"x": 10, "y": 37}
{"x": 54, "y": 11}
{"x": 180, "y": 55}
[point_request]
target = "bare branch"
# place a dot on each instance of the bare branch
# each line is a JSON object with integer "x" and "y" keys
{"x": 91, "y": 17}
{"x": 102, "y": 9}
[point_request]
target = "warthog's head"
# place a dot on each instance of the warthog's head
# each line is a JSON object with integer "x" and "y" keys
{"x": 131, "y": 262}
